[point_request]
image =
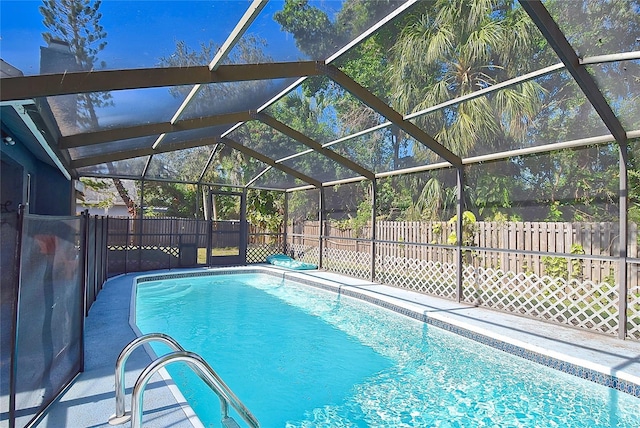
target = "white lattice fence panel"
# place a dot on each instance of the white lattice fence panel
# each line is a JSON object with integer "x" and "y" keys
{"x": 352, "y": 263}
{"x": 423, "y": 276}
{"x": 584, "y": 304}
{"x": 304, "y": 253}
{"x": 633, "y": 314}
{"x": 258, "y": 253}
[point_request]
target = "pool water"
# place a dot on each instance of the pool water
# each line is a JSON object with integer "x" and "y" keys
{"x": 298, "y": 356}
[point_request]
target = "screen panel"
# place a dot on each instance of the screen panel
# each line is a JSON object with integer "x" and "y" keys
{"x": 113, "y": 146}
{"x": 324, "y": 111}
{"x": 598, "y": 28}
{"x": 98, "y": 111}
{"x": 263, "y": 139}
{"x": 229, "y": 166}
{"x": 179, "y": 165}
{"x": 620, "y": 84}
{"x": 571, "y": 185}
{"x": 443, "y": 50}
{"x": 231, "y": 97}
{"x": 273, "y": 178}
{"x": 385, "y": 150}
{"x": 127, "y": 168}
{"x": 320, "y": 167}
{"x": 546, "y": 110}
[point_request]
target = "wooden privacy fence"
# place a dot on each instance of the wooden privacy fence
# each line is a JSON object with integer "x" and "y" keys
{"x": 160, "y": 232}
{"x": 408, "y": 239}
{"x": 178, "y": 232}
{"x": 171, "y": 232}
{"x": 163, "y": 243}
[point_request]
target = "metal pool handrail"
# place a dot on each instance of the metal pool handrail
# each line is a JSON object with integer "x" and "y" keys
{"x": 121, "y": 416}
{"x": 194, "y": 361}
{"x": 206, "y": 373}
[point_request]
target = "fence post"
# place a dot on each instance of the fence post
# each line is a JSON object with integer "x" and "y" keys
{"x": 374, "y": 201}
{"x": 97, "y": 265}
{"x": 105, "y": 250}
{"x": 210, "y": 221}
{"x": 286, "y": 223}
{"x": 141, "y": 225}
{"x": 84, "y": 242}
{"x": 171, "y": 230}
{"x": 321, "y": 217}
{"x": 459, "y": 230}
{"x": 14, "y": 327}
{"x": 84, "y": 257}
{"x": 244, "y": 226}
{"x": 632, "y": 252}
{"x": 622, "y": 250}
{"x": 127, "y": 245}
{"x": 141, "y": 219}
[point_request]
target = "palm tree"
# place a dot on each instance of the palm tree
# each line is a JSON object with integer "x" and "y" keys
{"x": 453, "y": 48}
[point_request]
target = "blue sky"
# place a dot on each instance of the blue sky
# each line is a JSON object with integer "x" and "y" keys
{"x": 139, "y": 32}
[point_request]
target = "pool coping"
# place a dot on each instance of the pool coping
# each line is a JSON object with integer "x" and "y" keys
{"x": 379, "y": 295}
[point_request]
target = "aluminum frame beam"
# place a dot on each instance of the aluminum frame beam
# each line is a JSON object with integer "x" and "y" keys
{"x": 27, "y": 87}
{"x": 167, "y": 180}
{"x": 600, "y": 59}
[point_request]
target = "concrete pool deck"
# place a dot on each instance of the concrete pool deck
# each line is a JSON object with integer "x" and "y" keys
{"x": 90, "y": 400}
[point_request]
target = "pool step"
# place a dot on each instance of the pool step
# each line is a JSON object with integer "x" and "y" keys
{"x": 163, "y": 290}
{"x": 229, "y": 422}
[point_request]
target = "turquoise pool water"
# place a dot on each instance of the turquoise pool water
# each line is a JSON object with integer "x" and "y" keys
{"x": 298, "y": 356}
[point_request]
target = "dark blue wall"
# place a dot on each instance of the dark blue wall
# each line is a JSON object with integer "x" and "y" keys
{"x": 51, "y": 192}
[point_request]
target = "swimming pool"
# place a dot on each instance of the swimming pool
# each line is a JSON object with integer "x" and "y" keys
{"x": 299, "y": 356}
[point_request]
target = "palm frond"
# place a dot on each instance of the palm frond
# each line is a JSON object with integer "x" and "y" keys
{"x": 518, "y": 106}
{"x": 478, "y": 12}
{"x": 483, "y": 42}
{"x": 441, "y": 45}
